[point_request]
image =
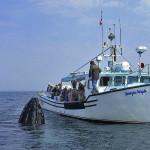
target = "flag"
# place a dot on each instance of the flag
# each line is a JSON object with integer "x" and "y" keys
{"x": 101, "y": 21}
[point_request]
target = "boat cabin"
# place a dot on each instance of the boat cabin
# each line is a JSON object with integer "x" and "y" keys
{"x": 107, "y": 81}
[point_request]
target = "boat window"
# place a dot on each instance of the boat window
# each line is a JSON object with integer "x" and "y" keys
{"x": 132, "y": 79}
{"x": 119, "y": 80}
{"x": 104, "y": 81}
{"x": 144, "y": 79}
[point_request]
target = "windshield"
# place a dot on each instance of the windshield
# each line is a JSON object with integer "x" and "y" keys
{"x": 119, "y": 80}
{"x": 132, "y": 79}
{"x": 144, "y": 79}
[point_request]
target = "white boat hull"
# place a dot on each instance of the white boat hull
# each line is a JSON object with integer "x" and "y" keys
{"x": 128, "y": 105}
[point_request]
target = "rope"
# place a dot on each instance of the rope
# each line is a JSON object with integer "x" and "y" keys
{"x": 90, "y": 60}
{"x": 99, "y": 55}
{"x": 126, "y": 60}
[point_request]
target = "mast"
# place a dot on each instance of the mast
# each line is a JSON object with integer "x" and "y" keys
{"x": 114, "y": 53}
{"x": 112, "y": 45}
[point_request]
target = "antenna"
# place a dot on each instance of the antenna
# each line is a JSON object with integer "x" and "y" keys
{"x": 115, "y": 32}
{"x": 101, "y": 23}
{"x": 106, "y": 36}
{"x": 120, "y": 27}
{"x": 140, "y": 50}
{"x": 120, "y": 30}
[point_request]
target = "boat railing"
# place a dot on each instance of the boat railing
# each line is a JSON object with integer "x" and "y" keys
{"x": 70, "y": 95}
{"x": 148, "y": 66}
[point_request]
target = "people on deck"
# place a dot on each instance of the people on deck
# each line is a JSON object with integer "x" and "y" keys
{"x": 64, "y": 94}
{"x": 94, "y": 75}
{"x": 81, "y": 90}
{"x": 48, "y": 87}
{"x": 74, "y": 84}
{"x": 81, "y": 86}
{"x": 71, "y": 96}
{"x": 59, "y": 85}
{"x": 76, "y": 95}
{"x": 56, "y": 91}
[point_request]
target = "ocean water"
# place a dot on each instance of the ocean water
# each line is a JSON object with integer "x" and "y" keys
{"x": 62, "y": 133}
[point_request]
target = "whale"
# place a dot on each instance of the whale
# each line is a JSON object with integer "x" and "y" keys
{"x": 32, "y": 114}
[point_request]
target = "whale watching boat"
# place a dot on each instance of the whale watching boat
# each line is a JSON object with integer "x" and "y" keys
{"x": 123, "y": 94}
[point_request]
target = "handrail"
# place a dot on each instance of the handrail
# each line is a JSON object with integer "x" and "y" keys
{"x": 145, "y": 67}
{"x": 148, "y": 70}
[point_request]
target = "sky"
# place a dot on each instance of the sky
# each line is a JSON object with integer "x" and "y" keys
{"x": 42, "y": 41}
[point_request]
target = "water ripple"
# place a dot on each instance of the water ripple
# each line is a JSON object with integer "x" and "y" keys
{"x": 64, "y": 133}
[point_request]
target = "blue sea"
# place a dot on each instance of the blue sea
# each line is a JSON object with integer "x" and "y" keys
{"x": 62, "y": 133}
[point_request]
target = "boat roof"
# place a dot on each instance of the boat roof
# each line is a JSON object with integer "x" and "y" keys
{"x": 82, "y": 77}
{"x": 78, "y": 77}
{"x": 122, "y": 74}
